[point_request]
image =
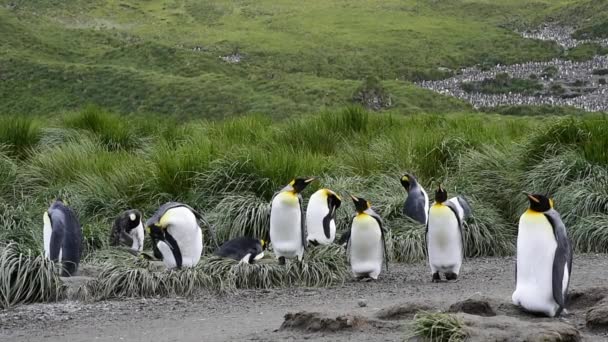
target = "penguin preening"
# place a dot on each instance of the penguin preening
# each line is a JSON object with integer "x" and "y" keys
{"x": 366, "y": 244}
{"x": 287, "y": 230}
{"x": 176, "y": 235}
{"x": 444, "y": 237}
{"x": 320, "y": 217}
{"x": 243, "y": 249}
{"x": 128, "y": 230}
{"x": 416, "y": 204}
{"x": 62, "y": 237}
{"x": 544, "y": 259}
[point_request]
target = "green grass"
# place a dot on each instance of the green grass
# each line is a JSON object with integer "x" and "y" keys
{"x": 137, "y": 57}
{"x": 437, "y": 326}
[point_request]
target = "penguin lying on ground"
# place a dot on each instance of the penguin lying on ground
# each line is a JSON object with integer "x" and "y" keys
{"x": 544, "y": 259}
{"x": 176, "y": 235}
{"x": 128, "y": 230}
{"x": 62, "y": 237}
{"x": 416, "y": 204}
{"x": 320, "y": 217}
{"x": 366, "y": 244}
{"x": 243, "y": 249}
{"x": 287, "y": 231}
{"x": 444, "y": 237}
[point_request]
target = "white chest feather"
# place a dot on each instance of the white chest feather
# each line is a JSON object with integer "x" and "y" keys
{"x": 137, "y": 235}
{"x": 184, "y": 228}
{"x": 443, "y": 240}
{"x": 366, "y": 249}
{"x": 316, "y": 211}
{"x": 47, "y": 231}
{"x": 536, "y": 247}
{"x": 285, "y": 225}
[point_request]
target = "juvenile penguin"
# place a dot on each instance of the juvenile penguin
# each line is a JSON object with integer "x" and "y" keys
{"x": 176, "y": 234}
{"x": 417, "y": 202}
{"x": 444, "y": 237}
{"x": 320, "y": 217}
{"x": 62, "y": 237}
{"x": 366, "y": 244}
{"x": 243, "y": 249}
{"x": 128, "y": 229}
{"x": 544, "y": 259}
{"x": 287, "y": 231}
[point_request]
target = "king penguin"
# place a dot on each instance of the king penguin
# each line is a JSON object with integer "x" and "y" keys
{"x": 320, "y": 217}
{"x": 544, "y": 259}
{"x": 128, "y": 229}
{"x": 366, "y": 244}
{"x": 287, "y": 230}
{"x": 444, "y": 237}
{"x": 176, "y": 235}
{"x": 417, "y": 202}
{"x": 243, "y": 249}
{"x": 62, "y": 237}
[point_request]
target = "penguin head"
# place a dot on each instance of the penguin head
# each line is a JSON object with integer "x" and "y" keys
{"x": 441, "y": 195}
{"x": 156, "y": 232}
{"x": 298, "y": 185}
{"x": 407, "y": 180}
{"x": 336, "y": 200}
{"x": 263, "y": 244}
{"x": 539, "y": 203}
{"x": 361, "y": 204}
{"x": 133, "y": 218}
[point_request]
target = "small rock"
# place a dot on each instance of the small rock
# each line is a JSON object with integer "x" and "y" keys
{"x": 362, "y": 303}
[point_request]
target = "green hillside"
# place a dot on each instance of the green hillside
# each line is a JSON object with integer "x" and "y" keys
{"x": 163, "y": 56}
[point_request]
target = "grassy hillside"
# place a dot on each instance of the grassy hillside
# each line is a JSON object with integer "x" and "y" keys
{"x": 163, "y": 56}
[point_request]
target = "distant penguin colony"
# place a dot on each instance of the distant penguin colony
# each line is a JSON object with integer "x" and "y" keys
{"x": 544, "y": 251}
{"x": 62, "y": 237}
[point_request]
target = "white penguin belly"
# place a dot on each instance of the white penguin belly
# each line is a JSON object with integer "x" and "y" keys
{"x": 536, "y": 247}
{"x": 137, "y": 235}
{"x": 188, "y": 235}
{"x": 285, "y": 226}
{"x": 47, "y": 231}
{"x": 315, "y": 212}
{"x": 366, "y": 250}
{"x": 444, "y": 240}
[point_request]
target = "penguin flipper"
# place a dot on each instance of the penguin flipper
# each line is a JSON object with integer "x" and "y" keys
{"x": 452, "y": 206}
{"x": 382, "y": 235}
{"x": 302, "y": 222}
{"x": 466, "y": 207}
{"x": 562, "y": 260}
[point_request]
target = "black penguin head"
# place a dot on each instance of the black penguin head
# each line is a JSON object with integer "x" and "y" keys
{"x": 133, "y": 218}
{"x": 407, "y": 180}
{"x": 299, "y": 184}
{"x": 361, "y": 204}
{"x": 334, "y": 199}
{"x": 263, "y": 243}
{"x": 539, "y": 203}
{"x": 156, "y": 232}
{"x": 441, "y": 195}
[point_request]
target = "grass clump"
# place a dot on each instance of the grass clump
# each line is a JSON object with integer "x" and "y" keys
{"x": 438, "y": 326}
{"x": 19, "y": 135}
{"x": 27, "y": 278}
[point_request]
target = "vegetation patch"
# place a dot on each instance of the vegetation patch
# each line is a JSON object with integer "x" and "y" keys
{"x": 437, "y": 326}
{"x": 504, "y": 84}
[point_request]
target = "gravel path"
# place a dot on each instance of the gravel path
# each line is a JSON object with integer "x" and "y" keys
{"x": 256, "y": 315}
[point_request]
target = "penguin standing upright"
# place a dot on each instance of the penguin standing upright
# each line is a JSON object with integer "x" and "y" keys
{"x": 320, "y": 217}
{"x": 366, "y": 244}
{"x": 544, "y": 259}
{"x": 243, "y": 249}
{"x": 62, "y": 237}
{"x": 176, "y": 235}
{"x": 444, "y": 237}
{"x": 417, "y": 202}
{"x": 128, "y": 229}
{"x": 287, "y": 231}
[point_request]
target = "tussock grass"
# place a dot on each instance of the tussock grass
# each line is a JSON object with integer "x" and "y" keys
{"x": 19, "y": 135}
{"x": 26, "y": 277}
{"x": 438, "y": 326}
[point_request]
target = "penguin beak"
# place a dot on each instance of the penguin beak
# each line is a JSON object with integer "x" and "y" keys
{"x": 309, "y": 180}
{"x": 531, "y": 197}
{"x": 355, "y": 199}
{"x": 440, "y": 187}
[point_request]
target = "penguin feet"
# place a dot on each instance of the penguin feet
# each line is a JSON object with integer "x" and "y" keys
{"x": 451, "y": 276}
{"x": 281, "y": 260}
{"x": 365, "y": 278}
{"x": 436, "y": 277}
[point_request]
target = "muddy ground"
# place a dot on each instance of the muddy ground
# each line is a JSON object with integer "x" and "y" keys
{"x": 362, "y": 308}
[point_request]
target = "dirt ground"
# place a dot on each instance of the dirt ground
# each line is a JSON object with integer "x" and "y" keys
{"x": 257, "y": 315}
